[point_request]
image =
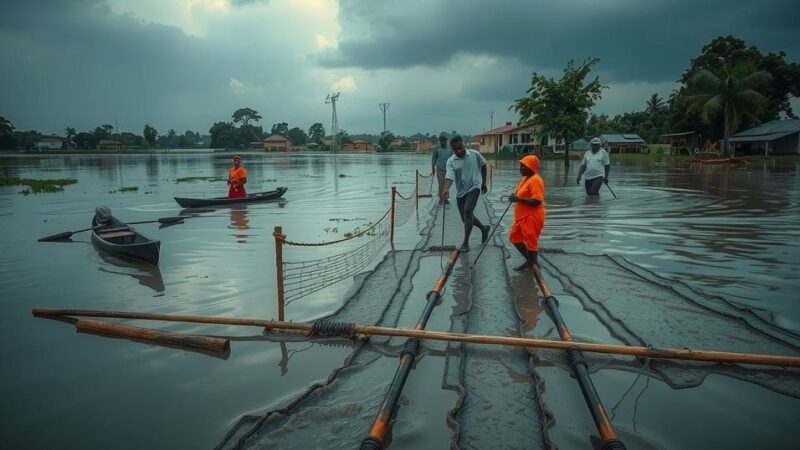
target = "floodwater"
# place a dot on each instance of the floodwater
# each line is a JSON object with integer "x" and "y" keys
{"x": 731, "y": 232}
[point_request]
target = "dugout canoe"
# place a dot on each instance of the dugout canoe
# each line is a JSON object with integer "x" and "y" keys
{"x": 117, "y": 238}
{"x": 223, "y": 201}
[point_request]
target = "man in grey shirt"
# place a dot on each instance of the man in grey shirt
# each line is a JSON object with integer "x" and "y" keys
{"x": 467, "y": 168}
{"x": 439, "y": 159}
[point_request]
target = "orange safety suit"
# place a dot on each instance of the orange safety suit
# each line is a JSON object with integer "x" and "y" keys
{"x": 529, "y": 220}
{"x": 236, "y": 176}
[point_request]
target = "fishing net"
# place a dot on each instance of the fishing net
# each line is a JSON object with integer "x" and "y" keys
{"x": 301, "y": 278}
{"x": 424, "y": 185}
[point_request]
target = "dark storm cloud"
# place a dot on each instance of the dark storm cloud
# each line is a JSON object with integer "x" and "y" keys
{"x": 651, "y": 41}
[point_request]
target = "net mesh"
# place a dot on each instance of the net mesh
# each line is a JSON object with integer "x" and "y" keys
{"x": 301, "y": 278}
{"x": 424, "y": 185}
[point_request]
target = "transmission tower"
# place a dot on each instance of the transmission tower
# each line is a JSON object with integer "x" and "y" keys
{"x": 384, "y": 107}
{"x": 331, "y": 98}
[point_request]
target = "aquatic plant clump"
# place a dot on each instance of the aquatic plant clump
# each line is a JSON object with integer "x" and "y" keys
{"x": 193, "y": 179}
{"x": 36, "y": 186}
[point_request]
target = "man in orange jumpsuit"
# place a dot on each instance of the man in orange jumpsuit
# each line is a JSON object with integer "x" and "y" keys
{"x": 529, "y": 212}
{"x": 237, "y": 177}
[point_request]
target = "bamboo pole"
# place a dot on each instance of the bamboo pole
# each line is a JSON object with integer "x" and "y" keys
{"x": 391, "y": 218}
{"x": 208, "y": 344}
{"x": 278, "y": 234}
{"x": 683, "y": 354}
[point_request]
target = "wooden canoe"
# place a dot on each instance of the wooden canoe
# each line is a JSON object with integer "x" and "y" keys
{"x": 223, "y": 201}
{"x": 119, "y": 239}
{"x": 731, "y": 160}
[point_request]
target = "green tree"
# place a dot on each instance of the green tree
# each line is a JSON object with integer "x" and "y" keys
{"x": 7, "y": 140}
{"x": 281, "y": 128}
{"x": 316, "y": 133}
{"x": 85, "y": 141}
{"x": 70, "y": 132}
{"x": 297, "y": 136}
{"x": 244, "y": 116}
{"x": 599, "y": 125}
{"x": 102, "y": 132}
{"x": 223, "y": 135}
{"x": 385, "y": 141}
{"x": 344, "y": 138}
{"x": 655, "y": 107}
{"x": 150, "y": 134}
{"x": 561, "y": 106}
{"x": 731, "y": 92}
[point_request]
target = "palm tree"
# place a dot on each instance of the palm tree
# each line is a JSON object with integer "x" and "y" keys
{"x": 730, "y": 91}
{"x": 5, "y": 126}
{"x": 655, "y": 106}
{"x": 70, "y": 132}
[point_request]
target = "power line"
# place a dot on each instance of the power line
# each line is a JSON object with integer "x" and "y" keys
{"x": 384, "y": 107}
{"x": 331, "y": 98}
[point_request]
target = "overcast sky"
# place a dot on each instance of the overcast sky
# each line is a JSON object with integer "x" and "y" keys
{"x": 442, "y": 65}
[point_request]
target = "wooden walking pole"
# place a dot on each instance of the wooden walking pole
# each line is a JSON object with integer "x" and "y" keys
{"x": 684, "y": 354}
{"x": 391, "y": 218}
{"x": 208, "y": 344}
{"x": 278, "y": 234}
{"x": 416, "y": 189}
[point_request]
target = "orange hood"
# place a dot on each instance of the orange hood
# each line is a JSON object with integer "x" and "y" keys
{"x": 531, "y": 162}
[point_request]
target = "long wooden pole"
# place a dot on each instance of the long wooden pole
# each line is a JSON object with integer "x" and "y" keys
{"x": 209, "y": 344}
{"x": 383, "y": 420}
{"x": 391, "y": 218}
{"x": 581, "y": 370}
{"x": 278, "y": 234}
{"x": 369, "y": 330}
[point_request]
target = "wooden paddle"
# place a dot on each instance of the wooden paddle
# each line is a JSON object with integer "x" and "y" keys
{"x": 68, "y": 234}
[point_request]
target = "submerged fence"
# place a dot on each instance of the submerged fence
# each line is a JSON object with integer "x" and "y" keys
{"x": 297, "y": 279}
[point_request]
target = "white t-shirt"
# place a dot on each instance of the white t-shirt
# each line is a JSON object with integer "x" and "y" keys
{"x": 465, "y": 172}
{"x": 595, "y": 164}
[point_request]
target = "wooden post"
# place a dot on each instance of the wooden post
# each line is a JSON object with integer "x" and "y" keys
{"x": 416, "y": 189}
{"x": 204, "y": 343}
{"x": 391, "y": 219}
{"x": 491, "y": 175}
{"x": 278, "y": 233}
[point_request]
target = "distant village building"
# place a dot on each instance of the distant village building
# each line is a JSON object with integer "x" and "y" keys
{"x": 359, "y": 146}
{"x": 51, "y": 143}
{"x": 277, "y": 143}
{"x": 778, "y": 137}
{"x": 688, "y": 142}
{"x": 422, "y": 145}
{"x": 623, "y": 143}
{"x": 397, "y": 143}
{"x": 523, "y": 138}
{"x": 108, "y": 144}
{"x": 326, "y": 144}
{"x": 578, "y": 147}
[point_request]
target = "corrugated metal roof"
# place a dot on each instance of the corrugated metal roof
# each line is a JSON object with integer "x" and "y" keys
{"x": 579, "y": 144}
{"x": 622, "y": 138}
{"x": 788, "y": 126}
{"x": 761, "y": 137}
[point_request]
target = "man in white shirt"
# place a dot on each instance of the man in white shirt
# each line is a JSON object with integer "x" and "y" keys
{"x": 596, "y": 165}
{"x": 467, "y": 168}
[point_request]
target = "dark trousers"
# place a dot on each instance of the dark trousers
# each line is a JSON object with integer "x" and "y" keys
{"x": 593, "y": 186}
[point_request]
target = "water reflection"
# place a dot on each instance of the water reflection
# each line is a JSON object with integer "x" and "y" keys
{"x": 147, "y": 275}
{"x": 239, "y": 221}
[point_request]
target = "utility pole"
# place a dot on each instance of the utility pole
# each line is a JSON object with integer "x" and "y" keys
{"x": 331, "y": 98}
{"x": 491, "y": 121}
{"x": 384, "y": 107}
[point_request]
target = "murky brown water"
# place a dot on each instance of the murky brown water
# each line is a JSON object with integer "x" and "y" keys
{"x": 727, "y": 231}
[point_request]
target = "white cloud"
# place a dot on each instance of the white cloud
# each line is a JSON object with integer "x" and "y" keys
{"x": 346, "y": 84}
{"x": 243, "y": 89}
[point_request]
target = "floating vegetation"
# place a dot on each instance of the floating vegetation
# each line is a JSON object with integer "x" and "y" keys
{"x": 193, "y": 179}
{"x": 35, "y": 186}
{"x": 342, "y": 219}
{"x": 125, "y": 189}
{"x": 272, "y": 180}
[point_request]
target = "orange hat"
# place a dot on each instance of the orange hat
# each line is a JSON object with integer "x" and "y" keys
{"x": 237, "y": 157}
{"x": 531, "y": 162}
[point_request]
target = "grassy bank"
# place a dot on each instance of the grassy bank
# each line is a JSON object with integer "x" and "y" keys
{"x": 35, "y": 186}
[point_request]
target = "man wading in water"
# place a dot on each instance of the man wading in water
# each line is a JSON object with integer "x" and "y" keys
{"x": 596, "y": 165}
{"x": 468, "y": 168}
{"x": 439, "y": 159}
{"x": 529, "y": 212}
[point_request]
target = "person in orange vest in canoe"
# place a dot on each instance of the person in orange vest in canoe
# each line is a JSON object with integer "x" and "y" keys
{"x": 529, "y": 212}
{"x": 237, "y": 178}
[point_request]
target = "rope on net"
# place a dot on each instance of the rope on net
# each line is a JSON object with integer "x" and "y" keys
{"x": 301, "y": 278}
